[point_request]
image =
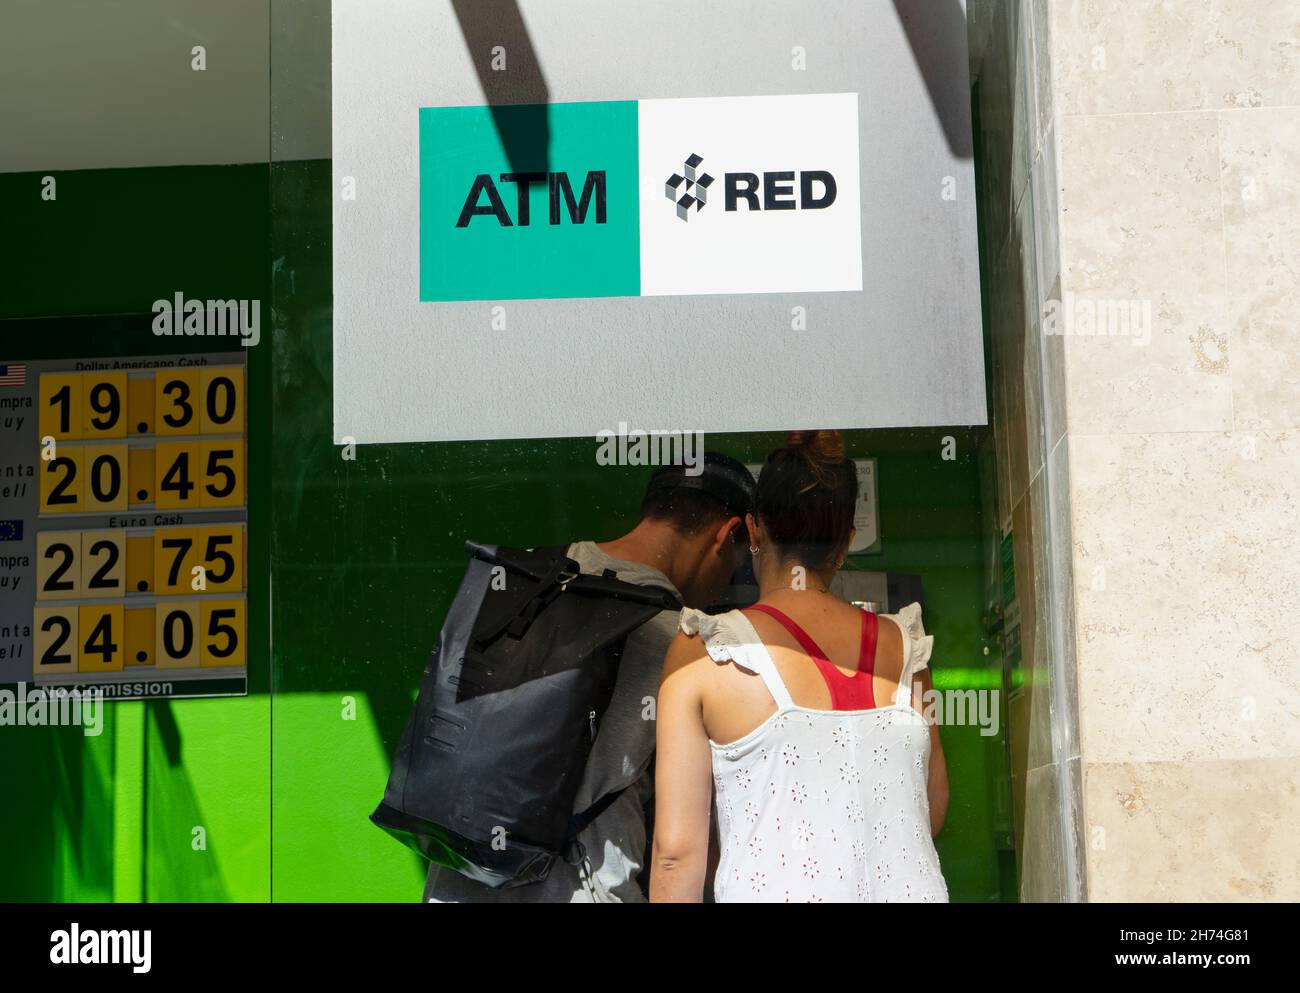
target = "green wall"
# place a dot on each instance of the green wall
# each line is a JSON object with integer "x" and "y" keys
{"x": 111, "y": 817}
{"x": 363, "y": 557}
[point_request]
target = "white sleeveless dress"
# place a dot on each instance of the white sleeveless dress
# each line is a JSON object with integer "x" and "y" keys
{"x": 823, "y": 805}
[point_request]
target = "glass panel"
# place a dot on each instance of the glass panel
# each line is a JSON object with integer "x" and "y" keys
{"x": 368, "y": 550}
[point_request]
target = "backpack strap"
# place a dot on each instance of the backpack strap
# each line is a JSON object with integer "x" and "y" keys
{"x": 581, "y": 821}
{"x": 547, "y": 584}
{"x": 560, "y": 574}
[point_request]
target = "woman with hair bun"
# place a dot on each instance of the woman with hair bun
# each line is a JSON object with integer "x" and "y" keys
{"x": 803, "y": 715}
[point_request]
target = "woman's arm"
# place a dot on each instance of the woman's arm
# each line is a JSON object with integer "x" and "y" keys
{"x": 937, "y": 782}
{"x": 683, "y": 779}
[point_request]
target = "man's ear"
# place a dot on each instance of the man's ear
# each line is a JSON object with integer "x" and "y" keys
{"x": 722, "y": 536}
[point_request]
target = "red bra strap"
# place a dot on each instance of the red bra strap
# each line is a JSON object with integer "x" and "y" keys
{"x": 870, "y": 628}
{"x": 854, "y": 692}
{"x": 799, "y": 634}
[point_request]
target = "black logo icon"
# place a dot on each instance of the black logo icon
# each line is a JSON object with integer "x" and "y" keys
{"x": 689, "y": 190}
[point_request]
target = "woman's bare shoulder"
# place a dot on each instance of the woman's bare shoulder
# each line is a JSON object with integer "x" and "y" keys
{"x": 683, "y": 651}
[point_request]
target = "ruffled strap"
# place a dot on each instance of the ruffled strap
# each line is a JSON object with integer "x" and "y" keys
{"x": 917, "y": 645}
{"x": 720, "y": 639}
{"x": 730, "y": 637}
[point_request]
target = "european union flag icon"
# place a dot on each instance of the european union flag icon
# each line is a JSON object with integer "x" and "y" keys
{"x": 11, "y": 530}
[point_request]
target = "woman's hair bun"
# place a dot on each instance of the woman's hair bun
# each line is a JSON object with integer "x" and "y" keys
{"x": 820, "y": 449}
{"x": 806, "y": 496}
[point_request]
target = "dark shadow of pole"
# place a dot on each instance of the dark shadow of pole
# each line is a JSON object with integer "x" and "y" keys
{"x": 936, "y": 32}
{"x": 497, "y": 24}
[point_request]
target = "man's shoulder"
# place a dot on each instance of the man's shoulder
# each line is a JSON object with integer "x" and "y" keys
{"x": 592, "y": 559}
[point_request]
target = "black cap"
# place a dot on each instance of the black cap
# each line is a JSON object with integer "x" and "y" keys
{"x": 720, "y": 476}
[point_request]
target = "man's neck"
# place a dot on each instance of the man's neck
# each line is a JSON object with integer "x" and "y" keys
{"x": 651, "y": 543}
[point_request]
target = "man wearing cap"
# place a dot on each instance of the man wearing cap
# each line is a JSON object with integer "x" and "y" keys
{"x": 691, "y": 538}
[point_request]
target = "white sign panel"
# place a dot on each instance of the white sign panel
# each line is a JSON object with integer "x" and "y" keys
{"x": 782, "y": 209}
{"x": 687, "y": 216}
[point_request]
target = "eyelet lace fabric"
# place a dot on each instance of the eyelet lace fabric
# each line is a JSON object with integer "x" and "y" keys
{"x": 818, "y": 805}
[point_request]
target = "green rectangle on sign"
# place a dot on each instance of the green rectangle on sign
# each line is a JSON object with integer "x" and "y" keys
{"x": 529, "y": 201}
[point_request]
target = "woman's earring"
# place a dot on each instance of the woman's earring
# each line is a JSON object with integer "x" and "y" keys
{"x": 753, "y": 549}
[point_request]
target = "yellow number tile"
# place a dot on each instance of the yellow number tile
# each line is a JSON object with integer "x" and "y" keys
{"x": 223, "y": 474}
{"x": 177, "y": 475}
{"x": 176, "y": 643}
{"x": 220, "y": 551}
{"x": 223, "y": 400}
{"x": 103, "y": 564}
{"x": 60, "y": 403}
{"x": 222, "y": 623}
{"x": 106, "y": 477}
{"x": 173, "y": 559}
{"x": 54, "y": 636}
{"x": 58, "y": 566}
{"x": 177, "y": 400}
{"x": 63, "y": 480}
{"x": 103, "y": 404}
{"x": 139, "y": 563}
{"x": 139, "y": 476}
{"x": 139, "y": 404}
{"x": 140, "y": 636}
{"x": 101, "y": 631}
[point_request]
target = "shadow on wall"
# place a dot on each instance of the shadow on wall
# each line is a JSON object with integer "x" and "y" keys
{"x": 59, "y": 842}
{"x": 176, "y": 865}
{"x": 936, "y": 33}
{"x": 491, "y": 26}
{"x": 495, "y": 29}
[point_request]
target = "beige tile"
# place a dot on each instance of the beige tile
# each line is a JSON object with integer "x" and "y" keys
{"x": 1141, "y": 224}
{"x": 1261, "y": 207}
{"x": 1171, "y": 56}
{"x": 1187, "y": 595}
{"x": 1193, "y": 831}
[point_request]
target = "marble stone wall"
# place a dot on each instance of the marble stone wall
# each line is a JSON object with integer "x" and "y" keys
{"x": 1180, "y": 187}
{"x": 1140, "y": 206}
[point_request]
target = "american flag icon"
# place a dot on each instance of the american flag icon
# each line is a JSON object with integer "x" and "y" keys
{"x": 13, "y": 375}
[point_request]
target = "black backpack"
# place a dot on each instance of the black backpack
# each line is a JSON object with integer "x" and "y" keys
{"x": 488, "y": 767}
